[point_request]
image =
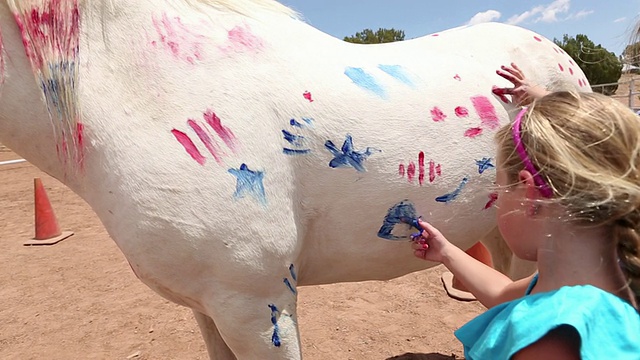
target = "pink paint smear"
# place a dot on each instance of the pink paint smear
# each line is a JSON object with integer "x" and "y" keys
{"x": 486, "y": 111}
{"x": 223, "y": 132}
{"x": 241, "y": 39}
{"x": 206, "y": 137}
{"x": 493, "y": 197}
{"x": 437, "y": 115}
{"x": 307, "y": 95}
{"x": 178, "y": 39}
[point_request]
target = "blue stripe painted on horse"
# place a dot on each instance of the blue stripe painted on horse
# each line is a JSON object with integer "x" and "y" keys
{"x": 365, "y": 81}
{"x": 399, "y": 73}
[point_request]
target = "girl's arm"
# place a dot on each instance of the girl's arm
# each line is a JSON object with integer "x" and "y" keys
{"x": 488, "y": 285}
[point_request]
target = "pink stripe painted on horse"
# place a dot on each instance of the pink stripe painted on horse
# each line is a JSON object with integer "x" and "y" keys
{"x": 421, "y": 168}
{"x": 223, "y": 132}
{"x": 486, "y": 111}
{"x": 401, "y": 170}
{"x": 206, "y": 140}
{"x": 189, "y": 146}
{"x": 411, "y": 171}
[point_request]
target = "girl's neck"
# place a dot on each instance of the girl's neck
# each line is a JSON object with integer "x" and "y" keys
{"x": 570, "y": 255}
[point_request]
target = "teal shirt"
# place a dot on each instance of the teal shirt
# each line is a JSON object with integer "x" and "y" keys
{"x": 609, "y": 327}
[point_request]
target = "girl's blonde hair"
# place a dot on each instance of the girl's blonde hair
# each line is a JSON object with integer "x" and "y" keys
{"x": 586, "y": 147}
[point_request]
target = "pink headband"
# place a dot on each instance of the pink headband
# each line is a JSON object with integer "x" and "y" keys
{"x": 544, "y": 188}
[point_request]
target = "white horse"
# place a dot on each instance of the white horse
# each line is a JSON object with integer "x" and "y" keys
{"x": 235, "y": 153}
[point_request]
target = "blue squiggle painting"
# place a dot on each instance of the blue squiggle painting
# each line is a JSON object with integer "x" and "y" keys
{"x": 249, "y": 182}
{"x": 454, "y": 194}
{"x": 365, "y": 81}
{"x": 397, "y": 72}
{"x": 397, "y": 214}
{"x": 347, "y": 155}
{"x": 275, "y": 338}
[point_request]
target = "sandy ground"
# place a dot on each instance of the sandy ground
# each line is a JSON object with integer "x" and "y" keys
{"x": 80, "y": 300}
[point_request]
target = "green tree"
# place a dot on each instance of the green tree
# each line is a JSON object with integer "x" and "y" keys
{"x": 631, "y": 54}
{"x": 599, "y": 65}
{"x": 368, "y": 36}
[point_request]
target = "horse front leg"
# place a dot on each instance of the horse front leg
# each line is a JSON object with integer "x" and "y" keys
{"x": 256, "y": 319}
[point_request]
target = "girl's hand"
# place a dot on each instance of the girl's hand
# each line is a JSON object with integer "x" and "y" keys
{"x": 430, "y": 245}
{"x": 523, "y": 91}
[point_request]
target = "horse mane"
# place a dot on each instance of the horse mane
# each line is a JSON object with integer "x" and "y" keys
{"x": 247, "y": 7}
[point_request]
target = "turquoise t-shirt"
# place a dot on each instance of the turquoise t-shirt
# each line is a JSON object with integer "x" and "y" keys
{"x": 609, "y": 327}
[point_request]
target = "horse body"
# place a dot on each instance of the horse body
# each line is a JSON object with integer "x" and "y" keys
{"x": 233, "y": 158}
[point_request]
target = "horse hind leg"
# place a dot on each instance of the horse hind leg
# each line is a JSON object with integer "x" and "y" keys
{"x": 216, "y": 347}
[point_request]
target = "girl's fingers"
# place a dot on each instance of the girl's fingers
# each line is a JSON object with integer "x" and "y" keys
{"x": 422, "y": 254}
{"x": 513, "y": 71}
{"x": 509, "y": 77}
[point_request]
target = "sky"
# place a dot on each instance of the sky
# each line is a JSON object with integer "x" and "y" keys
{"x": 606, "y": 22}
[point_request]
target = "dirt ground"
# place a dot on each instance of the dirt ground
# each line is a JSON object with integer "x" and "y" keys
{"x": 80, "y": 300}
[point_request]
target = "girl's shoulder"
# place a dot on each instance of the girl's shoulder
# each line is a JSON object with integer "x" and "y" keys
{"x": 608, "y": 326}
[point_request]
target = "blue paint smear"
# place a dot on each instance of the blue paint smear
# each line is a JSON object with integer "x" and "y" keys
{"x": 347, "y": 156}
{"x": 275, "y": 338}
{"x": 397, "y": 214}
{"x": 309, "y": 121}
{"x": 288, "y": 151}
{"x": 292, "y": 138}
{"x": 453, "y": 195}
{"x": 295, "y": 123}
{"x": 292, "y": 270}
{"x": 397, "y": 72}
{"x": 484, "y": 164}
{"x": 289, "y": 286}
{"x": 249, "y": 183}
{"x": 365, "y": 81}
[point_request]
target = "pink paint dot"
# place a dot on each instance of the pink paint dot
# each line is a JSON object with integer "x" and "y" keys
{"x": 457, "y": 77}
{"x": 437, "y": 114}
{"x": 537, "y": 39}
{"x": 307, "y": 95}
{"x": 435, "y": 34}
{"x": 411, "y": 171}
{"x": 401, "y": 170}
{"x": 560, "y": 66}
{"x": 473, "y": 132}
{"x": 571, "y": 71}
{"x": 580, "y": 82}
{"x": 571, "y": 62}
{"x": 556, "y": 50}
{"x": 462, "y": 111}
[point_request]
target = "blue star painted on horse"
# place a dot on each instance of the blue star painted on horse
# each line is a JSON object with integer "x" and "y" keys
{"x": 249, "y": 183}
{"x": 347, "y": 156}
{"x": 484, "y": 164}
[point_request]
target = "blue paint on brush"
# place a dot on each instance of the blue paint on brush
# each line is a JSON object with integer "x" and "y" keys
{"x": 402, "y": 212}
{"x": 348, "y": 156}
{"x": 289, "y": 286}
{"x": 249, "y": 182}
{"x": 398, "y": 73}
{"x": 365, "y": 81}
{"x": 484, "y": 164}
{"x": 275, "y": 338}
{"x": 453, "y": 195}
{"x": 292, "y": 271}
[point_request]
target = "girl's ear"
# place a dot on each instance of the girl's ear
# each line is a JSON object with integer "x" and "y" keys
{"x": 531, "y": 191}
{"x": 526, "y": 178}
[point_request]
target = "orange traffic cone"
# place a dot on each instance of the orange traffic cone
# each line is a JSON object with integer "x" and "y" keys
{"x": 453, "y": 286}
{"x": 47, "y": 228}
